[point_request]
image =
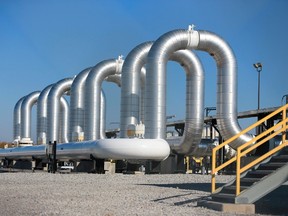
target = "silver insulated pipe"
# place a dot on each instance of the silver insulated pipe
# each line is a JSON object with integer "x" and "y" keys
{"x": 77, "y": 106}
{"x": 17, "y": 120}
{"x": 194, "y": 118}
{"x": 130, "y": 90}
{"x": 64, "y": 121}
{"x": 42, "y": 115}
{"x": 26, "y": 108}
{"x": 159, "y": 53}
{"x": 131, "y": 98}
{"x": 92, "y": 92}
{"x": 102, "y": 115}
{"x": 116, "y": 78}
{"x": 54, "y": 96}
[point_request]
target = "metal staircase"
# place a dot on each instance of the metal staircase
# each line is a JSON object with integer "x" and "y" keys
{"x": 261, "y": 176}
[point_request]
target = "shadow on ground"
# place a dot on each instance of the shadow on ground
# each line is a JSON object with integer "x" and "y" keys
{"x": 275, "y": 203}
{"x": 206, "y": 187}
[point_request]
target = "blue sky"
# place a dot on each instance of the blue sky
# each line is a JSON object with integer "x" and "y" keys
{"x": 42, "y": 42}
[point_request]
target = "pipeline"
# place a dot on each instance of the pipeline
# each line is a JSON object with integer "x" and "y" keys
{"x": 116, "y": 149}
{"x": 194, "y": 117}
{"x": 53, "y": 102}
{"x": 130, "y": 95}
{"x": 92, "y": 92}
{"x": 42, "y": 115}
{"x": 77, "y": 104}
{"x": 130, "y": 91}
{"x": 17, "y": 120}
{"x": 64, "y": 119}
{"x": 116, "y": 78}
{"x": 167, "y": 44}
{"x": 26, "y": 107}
{"x": 77, "y": 108}
{"x": 102, "y": 115}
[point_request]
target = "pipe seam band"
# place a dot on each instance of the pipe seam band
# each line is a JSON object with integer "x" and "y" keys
{"x": 119, "y": 64}
{"x": 193, "y": 39}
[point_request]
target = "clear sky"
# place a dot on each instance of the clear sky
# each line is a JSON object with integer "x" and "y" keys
{"x": 42, "y": 42}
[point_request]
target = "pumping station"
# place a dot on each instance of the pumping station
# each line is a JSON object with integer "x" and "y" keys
{"x": 72, "y": 135}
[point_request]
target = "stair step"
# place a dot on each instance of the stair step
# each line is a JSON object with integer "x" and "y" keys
{"x": 223, "y": 197}
{"x": 279, "y": 158}
{"x": 258, "y": 173}
{"x": 247, "y": 181}
{"x": 232, "y": 189}
{"x": 271, "y": 166}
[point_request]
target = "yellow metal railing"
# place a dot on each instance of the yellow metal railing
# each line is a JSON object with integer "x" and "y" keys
{"x": 281, "y": 127}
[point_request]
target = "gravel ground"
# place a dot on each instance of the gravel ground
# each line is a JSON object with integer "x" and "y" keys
{"x": 108, "y": 195}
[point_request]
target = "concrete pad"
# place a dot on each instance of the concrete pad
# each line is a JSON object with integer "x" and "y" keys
{"x": 228, "y": 207}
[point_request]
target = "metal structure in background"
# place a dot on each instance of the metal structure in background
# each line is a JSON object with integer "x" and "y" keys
{"x": 226, "y": 81}
{"x": 282, "y": 100}
{"x": 208, "y": 124}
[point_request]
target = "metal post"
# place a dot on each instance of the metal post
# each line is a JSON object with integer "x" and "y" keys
{"x": 258, "y": 67}
{"x": 258, "y": 89}
{"x": 54, "y": 162}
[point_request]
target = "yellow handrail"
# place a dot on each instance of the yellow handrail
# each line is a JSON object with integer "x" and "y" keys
{"x": 281, "y": 127}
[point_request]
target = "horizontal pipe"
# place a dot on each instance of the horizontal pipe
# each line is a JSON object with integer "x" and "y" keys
{"x": 116, "y": 149}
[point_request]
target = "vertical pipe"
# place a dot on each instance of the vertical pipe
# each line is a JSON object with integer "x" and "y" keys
{"x": 42, "y": 115}
{"x": 17, "y": 120}
{"x": 130, "y": 91}
{"x": 93, "y": 94}
{"x": 64, "y": 118}
{"x": 77, "y": 106}
{"x": 102, "y": 115}
{"x": 26, "y": 109}
{"x": 54, "y": 96}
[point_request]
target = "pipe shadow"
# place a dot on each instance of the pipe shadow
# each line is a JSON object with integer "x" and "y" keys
{"x": 205, "y": 187}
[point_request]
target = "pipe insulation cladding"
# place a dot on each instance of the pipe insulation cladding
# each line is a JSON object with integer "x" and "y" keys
{"x": 77, "y": 106}
{"x": 17, "y": 120}
{"x": 92, "y": 95}
{"x": 63, "y": 120}
{"x": 87, "y": 104}
{"x": 42, "y": 115}
{"x": 116, "y": 149}
{"x": 131, "y": 97}
{"x": 56, "y": 92}
{"x": 26, "y": 109}
{"x": 163, "y": 47}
